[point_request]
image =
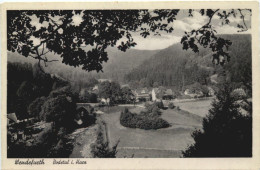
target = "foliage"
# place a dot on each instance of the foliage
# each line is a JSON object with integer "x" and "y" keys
{"x": 25, "y": 83}
{"x": 171, "y": 105}
{"x": 99, "y": 29}
{"x": 145, "y": 120}
{"x": 100, "y": 149}
{"x": 111, "y": 91}
{"x": 60, "y": 108}
{"x": 127, "y": 95}
{"x": 226, "y": 132}
{"x": 34, "y": 108}
{"x": 159, "y": 105}
{"x": 86, "y": 97}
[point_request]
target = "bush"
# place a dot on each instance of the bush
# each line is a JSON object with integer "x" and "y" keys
{"x": 60, "y": 110}
{"x": 145, "y": 120}
{"x": 100, "y": 149}
{"x": 171, "y": 105}
{"x": 34, "y": 108}
{"x": 160, "y": 105}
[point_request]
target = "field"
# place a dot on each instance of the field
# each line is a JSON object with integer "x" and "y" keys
{"x": 166, "y": 142}
{"x": 199, "y": 107}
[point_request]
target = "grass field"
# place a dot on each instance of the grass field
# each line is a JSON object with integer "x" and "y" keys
{"x": 166, "y": 142}
{"x": 199, "y": 107}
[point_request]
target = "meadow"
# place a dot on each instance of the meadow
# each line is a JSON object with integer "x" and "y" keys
{"x": 198, "y": 107}
{"x": 167, "y": 142}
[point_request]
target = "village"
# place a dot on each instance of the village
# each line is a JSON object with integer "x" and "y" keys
{"x": 31, "y": 131}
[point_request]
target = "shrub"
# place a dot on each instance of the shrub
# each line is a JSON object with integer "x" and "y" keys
{"x": 100, "y": 149}
{"x": 145, "y": 120}
{"x": 34, "y": 108}
{"x": 171, "y": 105}
{"x": 160, "y": 104}
{"x": 59, "y": 110}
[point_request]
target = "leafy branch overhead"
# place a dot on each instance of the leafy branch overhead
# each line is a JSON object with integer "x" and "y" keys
{"x": 206, "y": 35}
{"x": 84, "y": 43}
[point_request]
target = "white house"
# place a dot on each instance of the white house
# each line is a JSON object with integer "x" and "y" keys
{"x": 167, "y": 94}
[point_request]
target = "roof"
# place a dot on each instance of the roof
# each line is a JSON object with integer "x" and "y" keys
{"x": 169, "y": 92}
{"x": 142, "y": 91}
{"x": 103, "y": 80}
{"x": 155, "y": 90}
{"x": 166, "y": 92}
{"x": 12, "y": 116}
{"x": 125, "y": 85}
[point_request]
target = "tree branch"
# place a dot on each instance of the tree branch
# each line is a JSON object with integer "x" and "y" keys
{"x": 243, "y": 19}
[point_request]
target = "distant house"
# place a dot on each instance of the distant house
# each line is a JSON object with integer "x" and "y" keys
{"x": 192, "y": 94}
{"x": 125, "y": 85}
{"x": 142, "y": 94}
{"x": 239, "y": 93}
{"x": 94, "y": 89}
{"x": 154, "y": 92}
{"x": 211, "y": 92}
{"x": 167, "y": 94}
{"x": 103, "y": 80}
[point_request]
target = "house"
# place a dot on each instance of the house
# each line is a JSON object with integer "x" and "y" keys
{"x": 239, "y": 93}
{"x": 211, "y": 92}
{"x": 142, "y": 94}
{"x": 193, "y": 94}
{"x": 103, "y": 80}
{"x": 167, "y": 94}
{"x": 11, "y": 118}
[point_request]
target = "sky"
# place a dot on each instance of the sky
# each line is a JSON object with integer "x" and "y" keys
{"x": 185, "y": 23}
{"x": 182, "y": 23}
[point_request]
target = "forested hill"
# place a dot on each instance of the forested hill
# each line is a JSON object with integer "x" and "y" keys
{"x": 118, "y": 65}
{"x": 121, "y": 63}
{"x": 174, "y": 66}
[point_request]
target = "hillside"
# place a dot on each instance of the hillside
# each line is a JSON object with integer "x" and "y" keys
{"x": 176, "y": 67}
{"x": 119, "y": 64}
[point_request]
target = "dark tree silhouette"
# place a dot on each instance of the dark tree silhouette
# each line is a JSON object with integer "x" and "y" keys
{"x": 84, "y": 43}
{"x": 226, "y": 132}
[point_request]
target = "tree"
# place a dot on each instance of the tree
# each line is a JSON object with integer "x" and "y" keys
{"x": 104, "y": 90}
{"x": 127, "y": 95}
{"x": 60, "y": 108}
{"x": 115, "y": 92}
{"x": 93, "y": 98}
{"x": 111, "y": 91}
{"x": 84, "y": 95}
{"x": 34, "y": 108}
{"x": 226, "y": 132}
{"x": 57, "y": 31}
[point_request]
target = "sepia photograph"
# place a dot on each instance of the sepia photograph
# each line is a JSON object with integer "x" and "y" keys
{"x": 128, "y": 83}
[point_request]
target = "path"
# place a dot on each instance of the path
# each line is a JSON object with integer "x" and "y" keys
{"x": 83, "y": 139}
{"x": 131, "y": 105}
